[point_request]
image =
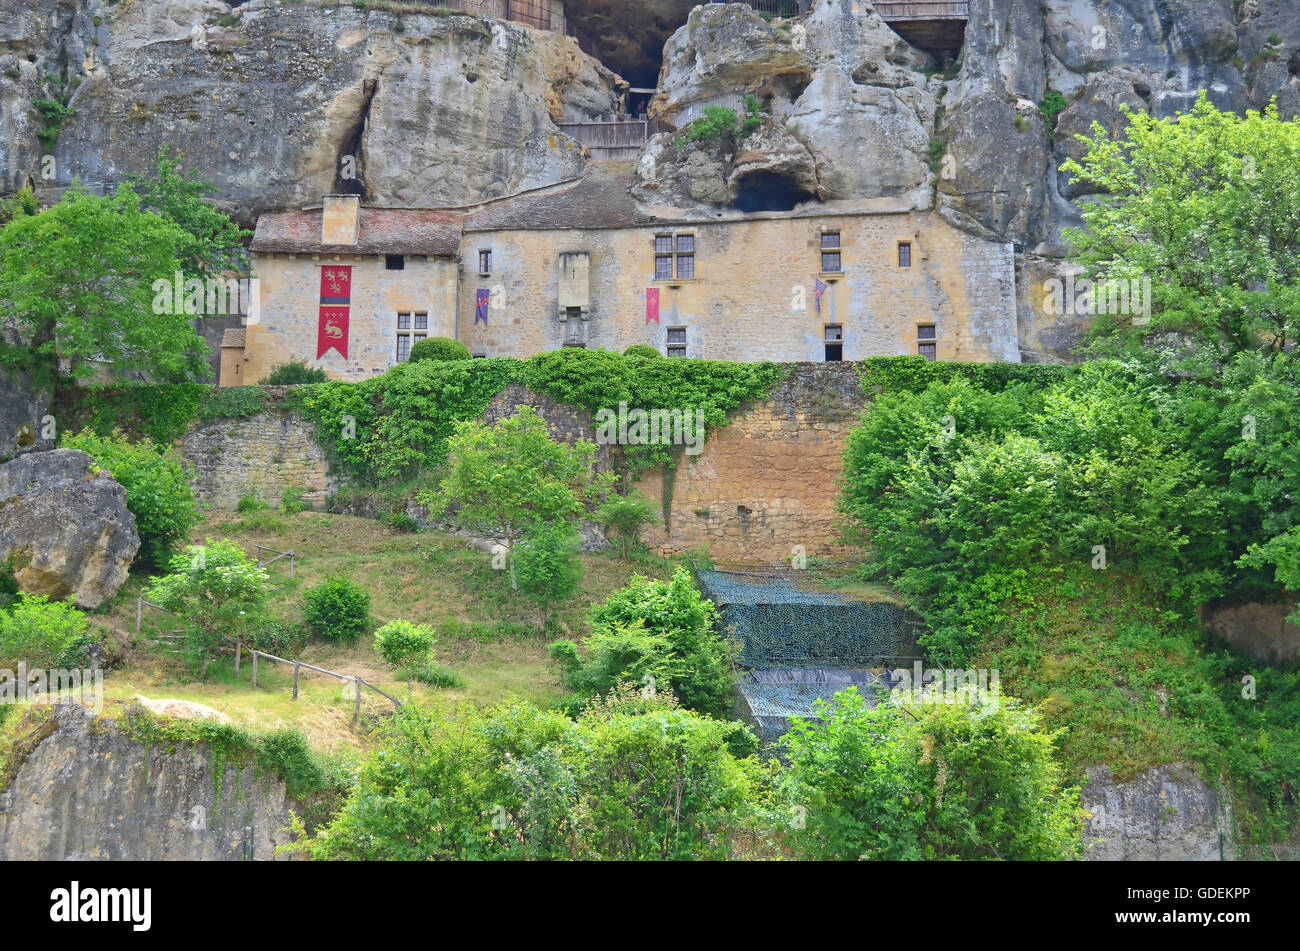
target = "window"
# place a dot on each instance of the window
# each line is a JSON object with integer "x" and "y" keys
{"x": 394, "y": 262}
{"x": 676, "y": 341}
{"x": 926, "y": 345}
{"x": 831, "y": 252}
{"x": 412, "y": 327}
{"x": 674, "y": 257}
{"x": 834, "y": 343}
{"x": 904, "y": 254}
{"x": 485, "y": 262}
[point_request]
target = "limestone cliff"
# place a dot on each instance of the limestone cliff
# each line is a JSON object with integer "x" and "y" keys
{"x": 270, "y": 99}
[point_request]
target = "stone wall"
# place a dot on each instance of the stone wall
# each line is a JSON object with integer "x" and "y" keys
{"x": 1164, "y": 814}
{"x": 264, "y": 454}
{"x": 767, "y": 481}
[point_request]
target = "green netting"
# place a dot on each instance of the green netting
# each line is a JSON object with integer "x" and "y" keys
{"x": 783, "y": 621}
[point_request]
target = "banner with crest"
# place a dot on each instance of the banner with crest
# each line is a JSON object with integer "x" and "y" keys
{"x": 335, "y": 302}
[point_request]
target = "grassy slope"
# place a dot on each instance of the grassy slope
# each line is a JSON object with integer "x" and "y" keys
{"x": 486, "y": 633}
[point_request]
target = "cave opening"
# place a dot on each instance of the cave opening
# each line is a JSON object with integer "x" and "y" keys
{"x": 770, "y": 191}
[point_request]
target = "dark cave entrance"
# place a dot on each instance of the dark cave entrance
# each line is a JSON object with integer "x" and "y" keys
{"x": 770, "y": 191}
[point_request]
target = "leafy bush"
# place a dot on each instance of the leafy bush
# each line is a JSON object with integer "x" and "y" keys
{"x": 42, "y": 633}
{"x": 402, "y": 522}
{"x": 627, "y": 516}
{"x": 435, "y": 675}
{"x": 950, "y": 782}
{"x": 546, "y": 563}
{"x": 643, "y": 350}
{"x": 8, "y": 585}
{"x": 292, "y": 501}
{"x": 287, "y": 754}
{"x": 293, "y": 373}
{"x": 251, "y": 502}
{"x": 650, "y": 629}
{"x": 158, "y": 490}
{"x": 405, "y": 646}
{"x": 1053, "y": 105}
{"x": 439, "y": 349}
{"x": 336, "y": 609}
{"x": 277, "y": 637}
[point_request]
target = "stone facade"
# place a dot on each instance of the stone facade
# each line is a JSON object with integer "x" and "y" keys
{"x": 766, "y": 482}
{"x": 264, "y": 454}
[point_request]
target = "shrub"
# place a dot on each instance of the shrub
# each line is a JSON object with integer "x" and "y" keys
{"x": 250, "y": 502}
{"x": 337, "y": 609}
{"x": 401, "y": 521}
{"x": 642, "y": 350}
{"x": 405, "y": 646}
{"x": 287, "y": 754}
{"x": 948, "y": 782}
{"x": 435, "y": 675}
{"x": 43, "y": 633}
{"x": 546, "y": 563}
{"x": 158, "y": 491}
{"x": 293, "y": 373}
{"x": 291, "y": 500}
{"x": 278, "y": 638}
{"x": 439, "y": 348}
{"x": 1053, "y": 105}
{"x": 627, "y": 516}
{"x": 8, "y": 586}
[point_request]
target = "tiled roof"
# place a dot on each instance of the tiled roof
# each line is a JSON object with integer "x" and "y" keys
{"x": 234, "y": 337}
{"x": 601, "y": 199}
{"x": 383, "y": 231}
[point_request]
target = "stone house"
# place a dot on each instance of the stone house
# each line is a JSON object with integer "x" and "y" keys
{"x": 582, "y": 264}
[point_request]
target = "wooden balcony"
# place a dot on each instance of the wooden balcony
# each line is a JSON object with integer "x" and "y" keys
{"x": 938, "y": 28}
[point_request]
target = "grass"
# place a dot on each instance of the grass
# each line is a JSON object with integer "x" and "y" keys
{"x": 487, "y": 634}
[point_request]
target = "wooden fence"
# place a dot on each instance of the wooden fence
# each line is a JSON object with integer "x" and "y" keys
{"x": 616, "y": 140}
{"x": 922, "y": 9}
{"x": 538, "y": 14}
{"x": 299, "y": 665}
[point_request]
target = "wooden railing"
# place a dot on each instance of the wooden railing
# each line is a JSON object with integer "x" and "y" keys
{"x": 537, "y": 14}
{"x": 616, "y": 140}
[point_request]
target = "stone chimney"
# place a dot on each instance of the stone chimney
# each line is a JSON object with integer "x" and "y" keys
{"x": 340, "y": 221}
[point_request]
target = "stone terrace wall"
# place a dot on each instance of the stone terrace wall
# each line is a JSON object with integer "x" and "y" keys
{"x": 768, "y": 480}
{"x": 263, "y": 454}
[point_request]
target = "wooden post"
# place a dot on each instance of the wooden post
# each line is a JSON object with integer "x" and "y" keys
{"x": 290, "y": 564}
{"x": 295, "y": 680}
{"x": 356, "y": 712}
{"x": 254, "y": 653}
{"x": 139, "y": 610}
{"x": 239, "y": 649}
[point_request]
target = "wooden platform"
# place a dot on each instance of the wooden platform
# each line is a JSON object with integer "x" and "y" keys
{"x": 938, "y": 28}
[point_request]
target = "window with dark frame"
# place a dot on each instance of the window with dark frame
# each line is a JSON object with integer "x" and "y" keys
{"x": 676, "y": 341}
{"x": 904, "y": 254}
{"x": 831, "y": 261}
{"x": 485, "y": 262}
{"x": 674, "y": 257}
{"x": 394, "y": 262}
{"x": 834, "y": 333}
{"x": 412, "y": 327}
{"x": 926, "y": 337}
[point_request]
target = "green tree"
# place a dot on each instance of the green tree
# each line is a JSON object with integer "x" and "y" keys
{"x": 1207, "y": 206}
{"x": 948, "y": 781}
{"x": 652, "y": 628}
{"x": 214, "y": 242}
{"x": 502, "y": 479}
{"x": 337, "y": 609}
{"x": 158, "y": 490}
{"x": 405, "y": 646}
{"x": 218, "y": 590}
{"x": 627, "y": 516}
{"x": 547, "y": 566}
{"x": 76, "y": 282}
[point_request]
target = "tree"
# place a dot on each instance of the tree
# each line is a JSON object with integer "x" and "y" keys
{"x": 1206, "y": 206}
{"x": 627, "y": 516}
{"x": 76, "y": 281}
{"x": 337, "y": 609}
{"x": 158, "y": 490}
{"x": 218, "y": 590}
{"x": 650, "y": 628}
{"x": 547, "y": 566}
{"x": 405, "y": 646}
{"x": 214, "y": 243}
{"x": 502, "y": 479}
{"x": 949, "y": 781}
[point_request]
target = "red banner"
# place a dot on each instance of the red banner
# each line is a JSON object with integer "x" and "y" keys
{"x": 335, "y": 301}
{"x": 652, "y": 304}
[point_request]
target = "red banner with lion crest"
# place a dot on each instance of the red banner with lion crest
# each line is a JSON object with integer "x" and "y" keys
{"x": 335, "y": 302}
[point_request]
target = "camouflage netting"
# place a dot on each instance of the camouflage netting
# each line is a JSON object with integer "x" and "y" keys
{"x": 784, "y": 621}
{"x": 766, "y": 699}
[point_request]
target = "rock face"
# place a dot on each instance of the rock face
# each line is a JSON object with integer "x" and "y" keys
{"x": 23, "y": 410}
{"x": 1262, "y": 630}
{"x": 1165, "y": 814}
{"x": 271, "y": 100}
{"x": 67, "y": 530}
{"x": 133, "y": 802}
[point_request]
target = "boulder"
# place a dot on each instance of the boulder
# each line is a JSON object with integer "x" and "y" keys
{"x": 65, "y": 527}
